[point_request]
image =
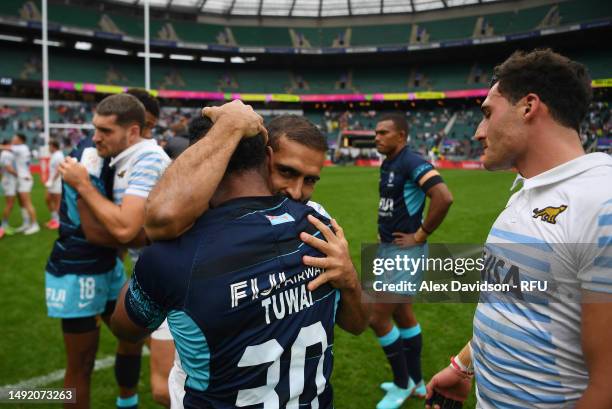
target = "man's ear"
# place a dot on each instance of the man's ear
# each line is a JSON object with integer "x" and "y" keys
{"x": 134, "y": 132}
{"x": 269, "y": 156}
{"x": 532, "y": 105}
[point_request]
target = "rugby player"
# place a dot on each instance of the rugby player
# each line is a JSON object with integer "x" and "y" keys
{"x": 151, "y": 106}
{"x": 406, "y": 179}
{"x": 297, "y": 152}
{"x": 554, "y": 351}
{"x": 53, "y": 185}
{"x": 83, "y": 279}
{"x": 238, "y": 297}
{"x": 24, "y": 183}
{"x": 9, "y": 186}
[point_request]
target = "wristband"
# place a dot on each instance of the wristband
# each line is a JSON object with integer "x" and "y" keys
{"x": 458, "y": 365}
{"x": 424, "y": 233}
{"x": 429, "y": 233}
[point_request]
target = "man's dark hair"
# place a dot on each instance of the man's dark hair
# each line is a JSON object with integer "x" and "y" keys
{"x": 198, "y": 127}
{"x": 54, "y": 143}
{"x": 298, "y": 129}
{"x": 249, "y": 154}
{"x": 150, "y": 103}
{"x": 562, "y": 84}
{"x": 21, "y": 137}
{"x": 398, "y": 119}
{"x": 128, "y": 109}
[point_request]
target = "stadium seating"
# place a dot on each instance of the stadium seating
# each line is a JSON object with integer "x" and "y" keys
{"x": 377, "y": 35}
{"x": 522, "y": 20}
{"x": 257, "y": 36}
{"x": 83, "y": 67}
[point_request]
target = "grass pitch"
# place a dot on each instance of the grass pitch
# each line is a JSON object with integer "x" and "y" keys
{"x": 31, "y": 344}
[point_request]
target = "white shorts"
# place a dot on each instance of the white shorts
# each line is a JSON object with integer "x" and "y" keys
{"x": 56, "y": 187}
{"x": 24, "y": 184}
{"x": 176, "y": 384}
{"x": 162, "y": 333}
{"x": 9, "y": 186}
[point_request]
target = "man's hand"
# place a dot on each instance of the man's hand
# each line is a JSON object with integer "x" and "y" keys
{"x": 74, "y": 173}
{"x": 242, "y": 116}
{"x": 449, "y": 383}
{"x": 404, "y": 239}
{"x": 339, "y": 269}
{"x": 352, "y": 315}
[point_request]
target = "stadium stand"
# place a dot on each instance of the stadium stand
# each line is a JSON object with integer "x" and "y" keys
{"x": 426, "y": 124}
{"x": 523, "y": 20}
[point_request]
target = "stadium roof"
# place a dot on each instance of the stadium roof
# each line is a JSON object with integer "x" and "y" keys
{"x": 304, "y": 8}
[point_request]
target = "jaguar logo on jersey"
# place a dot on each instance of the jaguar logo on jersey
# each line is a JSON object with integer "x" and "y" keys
{"x": 549, "y": 213}
{"x": 121, "y": 174}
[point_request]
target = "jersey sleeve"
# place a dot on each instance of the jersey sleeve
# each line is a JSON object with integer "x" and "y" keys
{"x": 415, "y": 167}
{"x": 19, "y": 150}
{"x": 158, "y": 284}
{"x": 319, "y": 209}
{"x": 145, "y": 173}
{"x": 595, "y": 269}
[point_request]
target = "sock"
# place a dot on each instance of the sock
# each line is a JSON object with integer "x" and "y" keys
{"x": 127, "y": 370}
{"x": 54, "y": 216}
{"x": 26, "y": 217}
{"x": 128, "y": 403}
{"x": 392, "y": 345}
{"x": 412, "y": 341}
{"x": 5, "y": 223}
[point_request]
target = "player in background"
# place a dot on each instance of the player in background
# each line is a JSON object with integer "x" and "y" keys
{"x": 406, "y": 180}
{"x": 20, "y": 149}
{"x": 553, "y": 352}
{"x": 226, "y": 330}
{"x": 151, "y": 106}
{"x": 297, "y": 151}
{"x": 53, "y": 195}
{"x": 9, "y": 186}
{"x": 110, "y": 172}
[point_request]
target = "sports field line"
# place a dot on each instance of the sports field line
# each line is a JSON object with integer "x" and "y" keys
{"x": 57, "y": 375}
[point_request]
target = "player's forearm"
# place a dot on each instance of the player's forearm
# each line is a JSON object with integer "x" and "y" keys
{"x": 184, "y": 191}
{"x": 597, "y": 395}
{"x": 440, "y": 202}
{"x": 353, "y": 315}
{"x": 95, "y": 233}
{"x": 108, "y": 214}
{"x": 465, "y": 356}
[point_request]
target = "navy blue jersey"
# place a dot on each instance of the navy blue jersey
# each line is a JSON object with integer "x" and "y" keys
{"x": 247, "y": 330}
{"x": 72, "y": 253}
{"x": 401, "y": 199}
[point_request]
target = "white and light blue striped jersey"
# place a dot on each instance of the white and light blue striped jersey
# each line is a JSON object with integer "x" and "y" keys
{"x": 56, "y": 159}
{"x": 557, "y": 229}
{"x": 137, "y": 169}
{"x": 22, "y": 160}
{"x": 7, "y": 158}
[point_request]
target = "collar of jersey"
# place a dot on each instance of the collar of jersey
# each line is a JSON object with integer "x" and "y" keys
{"x": 565, "y": 171}
{"x": 254, "y": 202}
{"x": 129, "y": 151}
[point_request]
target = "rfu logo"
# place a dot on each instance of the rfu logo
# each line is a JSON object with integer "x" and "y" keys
{"x": 549, "y": 214}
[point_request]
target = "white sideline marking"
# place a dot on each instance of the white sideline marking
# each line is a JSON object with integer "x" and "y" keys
{"x": 57, "y": 375}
